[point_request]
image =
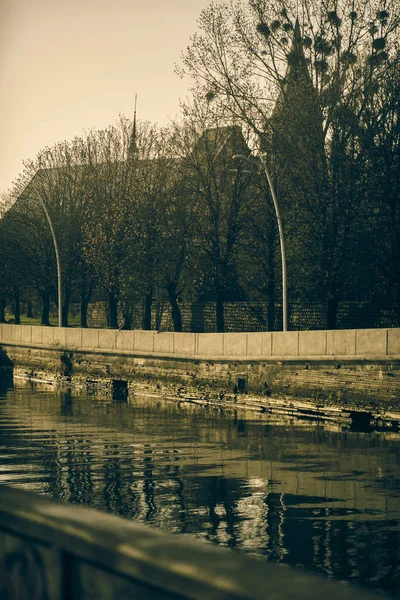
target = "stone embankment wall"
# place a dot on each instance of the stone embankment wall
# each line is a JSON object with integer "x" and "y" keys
{"x": 54, "y": 550}
{"x": 382, "y": 344}
{"x": 330, "y": 365}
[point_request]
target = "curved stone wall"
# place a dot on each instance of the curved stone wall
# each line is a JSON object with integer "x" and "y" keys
{"x": 355, "y": 343}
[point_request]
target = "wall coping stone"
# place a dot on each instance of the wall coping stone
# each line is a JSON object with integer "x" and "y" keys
{"x": 374, "y": 344}
{"x": 119, "y": 552}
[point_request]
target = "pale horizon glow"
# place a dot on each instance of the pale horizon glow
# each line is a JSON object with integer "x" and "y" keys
{"x": 67, "y": 66}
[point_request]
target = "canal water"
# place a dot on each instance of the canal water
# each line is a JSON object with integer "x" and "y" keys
{"x": 303, "y": 493}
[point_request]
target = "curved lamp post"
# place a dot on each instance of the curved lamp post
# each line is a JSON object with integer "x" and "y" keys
{"x": 280, "y": 229}
{"x": 53, "y": 233}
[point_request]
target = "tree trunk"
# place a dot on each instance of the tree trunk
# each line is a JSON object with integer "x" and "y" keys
{"x": 176, "y": 311}
{"x": 396, "y": 298}
{"x": 65, "y": 307}
{"x": 2, "y": 310}
{"x": 271, "y": 314}
{"x": 331, "y": 311}
{"x": 84, "y": 311}
{"x": 86, "y": 294}
{"x": 219, "y": 311}
{"x": 17, "y": 311}
{"x": 112, "y": 310}
{"x": 45, "y": 309}
{"x": 148, "y": 303}
{"x": 271, "y": 280}
{"x": 397, "y": 313}
{"x": 127, "y": 324}
{"x": 29, "y": 311}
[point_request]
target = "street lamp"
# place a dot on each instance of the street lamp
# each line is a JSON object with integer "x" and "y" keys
{"x": 53, "y": 233}
{"x": 280, "y": 229}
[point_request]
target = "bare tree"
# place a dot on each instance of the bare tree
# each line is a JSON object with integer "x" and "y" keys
{"x": 301, "y": 78}
{"x": 108, "y": 185}
{"x": 220, "y": 190}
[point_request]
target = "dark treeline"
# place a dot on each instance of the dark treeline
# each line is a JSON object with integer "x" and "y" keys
{"x": 149, "y": 213}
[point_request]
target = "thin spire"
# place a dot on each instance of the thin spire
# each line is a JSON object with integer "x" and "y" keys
{"x": 133, "y": 150}
{"x": 297, "y": 35}
{"x": 297, "y": 70}
{"x": 134, "y": 119}
{"x": 296, "y": 59}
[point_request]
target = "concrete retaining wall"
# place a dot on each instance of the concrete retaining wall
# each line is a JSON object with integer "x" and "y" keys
{"x": 357, "y": 343}
{"x": 339, "y": 366}
{"x": 54, "y": 550}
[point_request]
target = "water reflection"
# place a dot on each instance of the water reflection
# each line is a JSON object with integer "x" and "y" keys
{"x": 6, "y": 383}
{"x": 319, "y": 498}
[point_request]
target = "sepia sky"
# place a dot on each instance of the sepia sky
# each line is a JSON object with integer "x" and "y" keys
{"x": 70, "y": 65}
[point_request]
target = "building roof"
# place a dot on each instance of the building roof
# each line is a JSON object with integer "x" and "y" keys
{"x": 216, "y": 140}
{"x": 212, "y": 143}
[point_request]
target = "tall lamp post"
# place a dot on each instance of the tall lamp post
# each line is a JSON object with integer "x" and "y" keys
{"x": 280, "y": 229}
{"x": 59, "y": 285}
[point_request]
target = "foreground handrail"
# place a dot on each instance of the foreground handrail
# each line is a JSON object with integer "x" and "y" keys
{"x": 50, "y": 550}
